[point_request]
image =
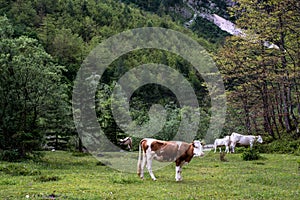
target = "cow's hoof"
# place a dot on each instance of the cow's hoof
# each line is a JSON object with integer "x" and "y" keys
{"x": 154, "y": 179}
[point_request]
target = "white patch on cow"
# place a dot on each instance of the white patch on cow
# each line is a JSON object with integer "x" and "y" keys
{"x": 198, "y": 149}
{"x": 179, "y": 144}
{"x": 149, "y": 161}
{"x": 149, "y": 141}
{"x": 178, "y": 173}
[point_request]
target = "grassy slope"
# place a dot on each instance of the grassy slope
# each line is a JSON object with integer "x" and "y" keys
{"x": 276, "y": 177}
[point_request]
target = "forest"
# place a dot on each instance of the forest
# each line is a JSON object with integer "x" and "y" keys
{"x": 43, "y": 44}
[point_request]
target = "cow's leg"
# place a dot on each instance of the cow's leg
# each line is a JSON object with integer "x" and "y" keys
{"x": 178, "y": 170}
{"x": 220, "y": 148}
{"x": 226, "y": 149}
{"x": 144, "y": 159}
{"x": 178, "y": 173}
{"x": 251, "y": 145}
{"x": 232, "y": 148}
{"x": 130, "y": 147}
{"x": 149, "y": 167}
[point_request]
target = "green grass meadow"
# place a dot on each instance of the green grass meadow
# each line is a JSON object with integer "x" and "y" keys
{"x": 62, "y": 175}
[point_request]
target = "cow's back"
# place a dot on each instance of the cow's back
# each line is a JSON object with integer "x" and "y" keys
{"x": 246, "y": 140}
{"x": 235, "y": 137}
{"x": 242, "y": 139}
{"x": 165, "y": 151}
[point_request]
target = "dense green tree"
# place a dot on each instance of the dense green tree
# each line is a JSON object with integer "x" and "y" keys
{"x": 30, "y": 88}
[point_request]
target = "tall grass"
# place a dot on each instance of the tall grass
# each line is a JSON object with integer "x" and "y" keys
{"x": 61, "y": 175}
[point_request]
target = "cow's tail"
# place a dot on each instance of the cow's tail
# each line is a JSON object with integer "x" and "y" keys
{"x": 139, "y": 164}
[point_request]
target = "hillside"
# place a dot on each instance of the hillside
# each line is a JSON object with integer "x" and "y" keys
{"x": 57, "y": 36}
{"x": 44, "y": 43}
{"x": 209, "y": 19}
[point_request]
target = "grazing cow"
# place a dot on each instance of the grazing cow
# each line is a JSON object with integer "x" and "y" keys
{"x": 243, "y": 140}
{"x": 126, "y": 141}
{"x": 168, "y": 151}
{"x": 222, "y": 142}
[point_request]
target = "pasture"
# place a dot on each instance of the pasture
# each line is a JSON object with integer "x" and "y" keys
{"x": 63, "y": 175}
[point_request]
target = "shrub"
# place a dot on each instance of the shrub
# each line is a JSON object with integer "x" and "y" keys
{"x": 10, "y": 155}
{"x": 250, "y": 154}
{"x": 123, "y": 179}
{"x": 297, "y": 152}
{"x": 240, "y": 149}
{"x": 19, "y": 170}
{"x": 47, "y": 178}
{"x": 285, "y": 146}
{"x": 103, "y": 163}
{"x": 80, "y": 154}
{"x": 15, "y": 156}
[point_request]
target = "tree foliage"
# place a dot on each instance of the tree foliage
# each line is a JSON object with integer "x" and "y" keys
{"x": 43, "y": 44}
{"x": 30, "y": 89}
{"x": 262, "y": 67}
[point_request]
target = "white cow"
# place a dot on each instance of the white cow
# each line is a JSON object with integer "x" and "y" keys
{"x": 168, "y": 151}
{"x": 222, "y": 142}
{"x": 243, "y": 140}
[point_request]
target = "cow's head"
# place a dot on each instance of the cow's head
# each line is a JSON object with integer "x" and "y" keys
{"x": 122, "y": 141}
{"x": 198, "y": 148}
{"x": 259, "y": 139}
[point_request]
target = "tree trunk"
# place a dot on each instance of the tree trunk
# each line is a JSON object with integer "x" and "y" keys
{"x": 246, "y": 111}
{"x": 80, "y": 146}
{"x": 266, "y": 114}
{"x": 274, "y": 120}
{"x": 278, "y": 103}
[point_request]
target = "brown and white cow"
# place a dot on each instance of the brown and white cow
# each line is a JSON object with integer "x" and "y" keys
{"x": 126, "y": 141}
{"x": 166, "y": 151}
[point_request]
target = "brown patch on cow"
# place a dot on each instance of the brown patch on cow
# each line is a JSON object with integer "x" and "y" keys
{"x": 186, "y": 153}
{"x": 190, "y": 150}
{"x": 144, "y": 145}
{"x": 167, "y": 151}
{"x": 157, "y": 145}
